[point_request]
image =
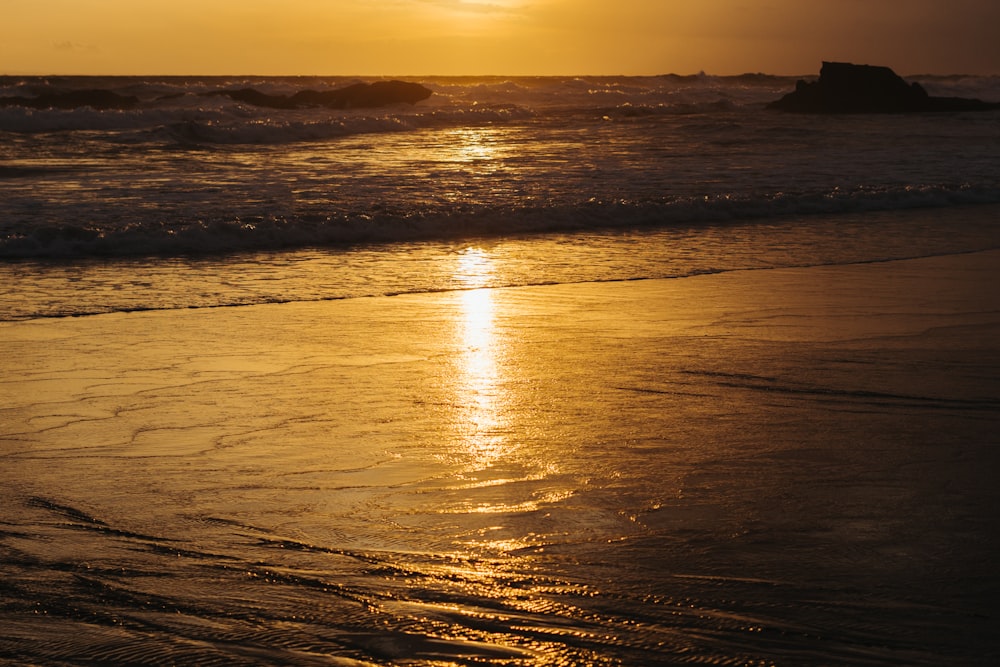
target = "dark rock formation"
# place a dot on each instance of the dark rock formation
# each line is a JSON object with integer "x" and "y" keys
{"x": 96, "y": 99}
{"x": 848, "y": 88}
{"x": 357, "y": 96}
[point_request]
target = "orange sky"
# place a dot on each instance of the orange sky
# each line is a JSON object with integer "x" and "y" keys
{"x": 415, "y": 37}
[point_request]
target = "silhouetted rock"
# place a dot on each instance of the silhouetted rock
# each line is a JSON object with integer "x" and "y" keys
{"x": 357, "y": 96}
{"x": 96, "y": 99}
{"x": 848, "y": 88}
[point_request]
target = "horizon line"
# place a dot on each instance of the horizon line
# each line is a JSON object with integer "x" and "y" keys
{"x": 701, "y": 73}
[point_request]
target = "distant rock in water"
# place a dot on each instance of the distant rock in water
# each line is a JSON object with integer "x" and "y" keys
{"x": 96, "y": 99}
{"x": 848, "y": 88}
{"x": 357, "y": 96}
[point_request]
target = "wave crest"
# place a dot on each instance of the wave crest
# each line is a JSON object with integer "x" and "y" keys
{"x": 221, "y": 234}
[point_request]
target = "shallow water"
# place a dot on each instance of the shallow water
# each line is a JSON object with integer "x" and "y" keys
{"x": 33, "y": 289}
{"x": 749, "y": 468}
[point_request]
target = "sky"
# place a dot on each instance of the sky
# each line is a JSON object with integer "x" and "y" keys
{"x": 505, "y": 37}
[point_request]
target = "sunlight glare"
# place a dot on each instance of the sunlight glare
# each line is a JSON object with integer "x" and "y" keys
{"x": 475, "y": 269}
{"x": 472, "y": 145}
{"x": 478, "y": 385}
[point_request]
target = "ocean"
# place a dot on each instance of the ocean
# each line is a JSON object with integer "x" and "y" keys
{"x": 619, "y": 178}
{"x": 368, "y": 387}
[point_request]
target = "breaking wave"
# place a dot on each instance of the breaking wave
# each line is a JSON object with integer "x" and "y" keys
{"x": 221, "y": 234}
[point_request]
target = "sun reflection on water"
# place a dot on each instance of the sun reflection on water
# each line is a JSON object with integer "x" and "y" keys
{"x": 478, "y": 385}
{"x": 472, "y": 145}
{"x": 497, "y": 476}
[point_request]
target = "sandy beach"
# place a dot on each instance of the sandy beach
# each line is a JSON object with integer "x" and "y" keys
{"x": 796, "y": 466}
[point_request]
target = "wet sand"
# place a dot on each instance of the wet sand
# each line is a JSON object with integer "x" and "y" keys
{"x": 793, "y": 465}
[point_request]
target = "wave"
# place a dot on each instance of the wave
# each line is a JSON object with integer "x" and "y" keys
{"x": 38, "y": 105}
{"x": 984, "y": 87}
{"x": 275, "y": 131}
{"x": 252, "y": 131}
{"x": 221, "y": 234}
{"x": 226, "y": 126}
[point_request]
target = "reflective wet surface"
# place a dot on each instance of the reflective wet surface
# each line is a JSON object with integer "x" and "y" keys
{"x": 792, "y": 466}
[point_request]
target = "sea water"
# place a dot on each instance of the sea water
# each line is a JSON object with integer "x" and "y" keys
{"x": 567, "y": 179}
{"x": 205, "y": 504}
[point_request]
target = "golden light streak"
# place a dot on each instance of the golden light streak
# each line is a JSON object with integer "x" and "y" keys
{"x": 478, "y": 386}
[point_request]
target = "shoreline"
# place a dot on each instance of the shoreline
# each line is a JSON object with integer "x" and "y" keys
{"x": 804, "y": 459}
{"x": 728, "y": 275}
{"x": 86, "y": 287}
